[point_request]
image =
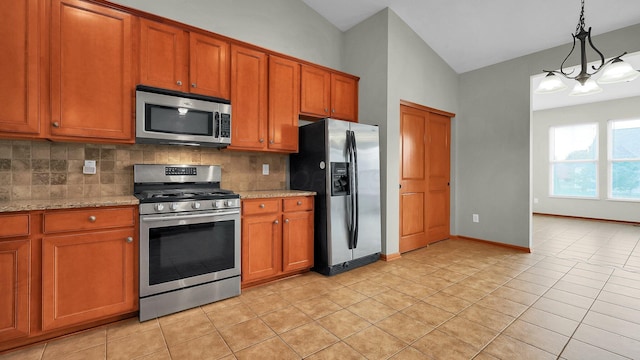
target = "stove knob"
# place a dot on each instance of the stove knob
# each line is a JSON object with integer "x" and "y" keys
{"x": 229, "y": 203}
{"x": 173, "y": 206}
{"x": 159, "y": 207}
{"x": 215, "y": 204}
{"x": 195, "y": 205}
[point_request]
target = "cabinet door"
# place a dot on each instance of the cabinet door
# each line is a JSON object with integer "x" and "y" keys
{"x": 209, "y": 66}
{"x": 284, "y": 104}
{"x": 297, "y": 241}
{"x": 87, "y": 276}
{"x": 315, "y": 91}
{"x": 261, "y": 247}
{"x": 91, "y": 63}
{"x": 248, "y": 98}
{"x": 19, "y": 68}
{"x": 14, "y": 288}
{"x": 163, "y": 56}
{"x": 344, "y": 98}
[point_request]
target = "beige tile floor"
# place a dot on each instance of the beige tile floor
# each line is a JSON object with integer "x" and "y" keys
{"x": 577, "y": 296}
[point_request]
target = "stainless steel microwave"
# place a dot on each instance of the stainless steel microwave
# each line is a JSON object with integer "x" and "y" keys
{"x": 170, "y": 117}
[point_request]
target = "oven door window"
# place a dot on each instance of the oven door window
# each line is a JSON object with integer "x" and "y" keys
{"x": 183, "y": 251}
{"x": 166, "y": 119}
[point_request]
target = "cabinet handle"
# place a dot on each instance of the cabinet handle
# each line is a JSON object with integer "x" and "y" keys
{"x": 193, "y": 85}
{"x": 261, "y": 206}
{"x": 326, "y": 110}
{"x": 179, "y": 83}
{"x": 92, "y": 218}
{"x": 299, "y": 202}
{"x": 129, "y": 239}
{"x": 261, "y": 140}
{"x": 286, "y": 221}
{"x": 276, "y": 222}
{"x": 56, "y": 124}
{"x": 270, "y": 141}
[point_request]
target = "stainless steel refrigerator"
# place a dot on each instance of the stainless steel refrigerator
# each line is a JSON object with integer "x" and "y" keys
{"x": 340, "y": 160}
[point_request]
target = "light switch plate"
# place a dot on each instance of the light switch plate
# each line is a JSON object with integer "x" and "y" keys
{"x": 265, "y": 169}
{"x": 89, "y": 167}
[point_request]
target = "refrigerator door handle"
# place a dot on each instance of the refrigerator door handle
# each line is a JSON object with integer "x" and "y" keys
{"x": 356, "y": 209}
{"x": 350, "y": 209}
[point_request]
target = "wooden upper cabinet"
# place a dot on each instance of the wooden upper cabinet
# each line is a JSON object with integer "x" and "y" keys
{"x": 248, "y": 98}
{"x": 344, "y": 97}
{"x": 164, "y": 56}
{"x": 315, "y": 91}
{"x": 91, "y": 72}
{"x": 284, "y": 104}
{"x": 19, "y": 68}
{"x": 327, "y": 94}
{"x": 209, "y": 66}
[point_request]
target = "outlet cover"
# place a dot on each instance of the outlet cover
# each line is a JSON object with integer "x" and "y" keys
{"x": 89, "y": 167}
{"x": 265, "y": 169}
{"x": 476, "y": 218}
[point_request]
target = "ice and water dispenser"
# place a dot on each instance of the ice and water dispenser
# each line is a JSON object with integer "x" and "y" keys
{"x": 339, "y": 179}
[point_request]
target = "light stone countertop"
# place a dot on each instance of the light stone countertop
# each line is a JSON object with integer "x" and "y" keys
{"x": 25, "y": 205}
{"x": 261, "y": 194}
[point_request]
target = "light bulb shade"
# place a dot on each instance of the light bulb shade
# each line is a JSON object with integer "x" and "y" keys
{"x": 589, "y": 87}
{"x": 618, "y": 71}
{"x": 550, "y": 84}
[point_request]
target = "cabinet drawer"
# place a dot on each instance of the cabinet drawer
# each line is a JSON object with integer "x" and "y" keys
{"x": 260, "y": 206}
{"x": 14, "y": 225}
{"x": 298, "y": 204}
{"x": 61, "y": 221}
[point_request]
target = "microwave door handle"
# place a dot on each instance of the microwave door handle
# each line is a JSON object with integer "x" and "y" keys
{"x": 216, "y": 124}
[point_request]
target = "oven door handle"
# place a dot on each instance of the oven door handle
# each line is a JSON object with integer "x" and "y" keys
{"x": 192, "y": 216}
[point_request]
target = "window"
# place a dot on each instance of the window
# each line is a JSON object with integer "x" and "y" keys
{"x": 624, "y": 159}
{"x": 574, "y": 160}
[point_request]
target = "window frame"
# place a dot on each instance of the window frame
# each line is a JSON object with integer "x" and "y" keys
{"x": 610, "y": 161}
{"x": 595, "y": 161}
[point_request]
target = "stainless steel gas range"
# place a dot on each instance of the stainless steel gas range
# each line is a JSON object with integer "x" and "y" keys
{"x": 189, "y": 238}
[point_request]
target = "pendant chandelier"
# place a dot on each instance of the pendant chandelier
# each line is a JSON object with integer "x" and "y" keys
{"x": 615, "y": 69}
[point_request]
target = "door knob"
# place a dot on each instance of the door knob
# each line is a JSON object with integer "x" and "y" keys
{"x": 261, "y": 206}
{"x": 179, "y": 83}
{"x": 56, "y": 124}
{"x": 276, "y": 222}
{"x": 129, "y": 239}
{"x": 286, "y": 221}
{"x": 92, "y": 218}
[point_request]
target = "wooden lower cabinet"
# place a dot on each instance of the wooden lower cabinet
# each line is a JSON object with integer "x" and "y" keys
{"x": 66, "y": 270}
{"x": 14, "y": 288}
{"x": 87, "y": 276}
{"x": 277, "y": 239}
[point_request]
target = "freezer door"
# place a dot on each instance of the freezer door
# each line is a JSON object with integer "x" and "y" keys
{"x": 368, "y": 179}
{"x": 337, "y": 206}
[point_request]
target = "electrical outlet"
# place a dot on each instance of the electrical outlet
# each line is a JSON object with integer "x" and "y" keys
{"x": 89, "y": 167}
{"x": 265, "y": 169}
{"x": 476, "y": 218}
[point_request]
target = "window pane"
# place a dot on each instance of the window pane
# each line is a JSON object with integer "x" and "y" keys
{"x": 625, "y": 136}
{"x": 625, "y": 177}
{"x": 576, "y": 142}
{"x": 574, "y": 179}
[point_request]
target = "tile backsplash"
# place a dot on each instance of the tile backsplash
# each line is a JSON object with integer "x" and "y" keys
{"x": 40, "y": 170}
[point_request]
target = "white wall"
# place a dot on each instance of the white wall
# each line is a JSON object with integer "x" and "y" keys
{"x": 598, "y": 113}
{"x": 286, "y": 26}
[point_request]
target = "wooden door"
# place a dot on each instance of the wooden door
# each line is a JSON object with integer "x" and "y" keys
{"x": 297, "y": 241}
{"x": 209, "y": 66}
{"x": 91, "y": 64}
{"x": 439, "y": 158}
{"x": 284, "y": 104}
{"x": 315, "y": 91}
{"x": 344, "y": 98}
{"x": 19, "y": 38}
{"x": 261, "y": 247}
{"x": 249, "y": 99}
{"x": 163, "y": 56}
{"x": 424, "y": 176}
{"x": 413, "y": 179}
{"x": 72, "y": 265}
{"x": 14, "y": 288}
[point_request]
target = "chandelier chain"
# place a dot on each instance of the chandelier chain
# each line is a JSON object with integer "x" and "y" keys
{"x": 580, "y": 20}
